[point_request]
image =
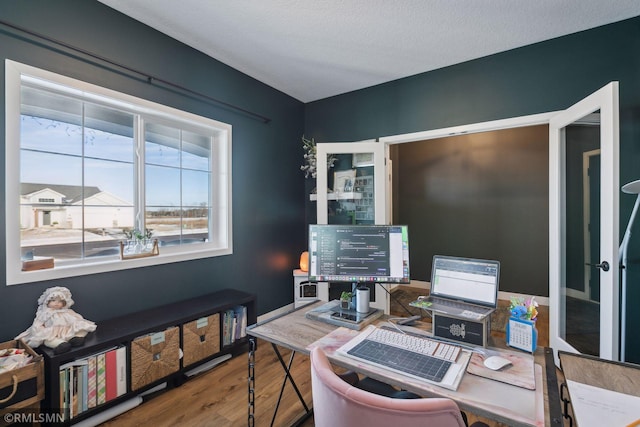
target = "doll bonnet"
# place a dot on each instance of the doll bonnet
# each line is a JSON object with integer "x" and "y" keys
{"x": 53, "y": 293}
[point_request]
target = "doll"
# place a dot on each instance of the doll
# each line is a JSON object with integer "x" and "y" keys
{"x": 56, "y": 325}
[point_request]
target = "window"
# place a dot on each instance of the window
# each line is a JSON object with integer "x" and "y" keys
{"x": 86, "y": 165}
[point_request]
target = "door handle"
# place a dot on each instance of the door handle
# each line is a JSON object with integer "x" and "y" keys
{"x": 604, "y": 265}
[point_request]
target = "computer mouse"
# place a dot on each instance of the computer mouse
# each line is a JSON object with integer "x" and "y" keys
{"x": 496, "y": 362}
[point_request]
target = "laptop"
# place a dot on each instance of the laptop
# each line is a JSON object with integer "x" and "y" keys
{"x": 462, "y": 287}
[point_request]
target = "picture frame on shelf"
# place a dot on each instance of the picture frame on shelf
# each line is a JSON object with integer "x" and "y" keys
{"x": 344, "y": 181}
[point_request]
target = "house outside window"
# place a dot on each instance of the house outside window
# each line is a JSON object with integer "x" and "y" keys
{"x": 89, "y": 165}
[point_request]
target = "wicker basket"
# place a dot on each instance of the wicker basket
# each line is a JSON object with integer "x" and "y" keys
{"x": 154, "y": 356}
{"x": 200, "y": 339}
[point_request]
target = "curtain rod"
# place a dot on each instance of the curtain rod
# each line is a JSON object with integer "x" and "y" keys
{"x": 149, "y": 78}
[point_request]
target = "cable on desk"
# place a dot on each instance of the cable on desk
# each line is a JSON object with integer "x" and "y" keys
{"x": 398, "y": 301}
{"x": 390, "y": 321}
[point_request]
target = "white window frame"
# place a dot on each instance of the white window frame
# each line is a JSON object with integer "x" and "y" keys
{"x": 220, "y": 224}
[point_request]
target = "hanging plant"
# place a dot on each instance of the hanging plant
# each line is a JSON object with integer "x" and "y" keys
{"x": 310, "y": 158}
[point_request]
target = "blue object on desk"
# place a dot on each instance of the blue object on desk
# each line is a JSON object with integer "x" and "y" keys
{"x": 522, "y": 334}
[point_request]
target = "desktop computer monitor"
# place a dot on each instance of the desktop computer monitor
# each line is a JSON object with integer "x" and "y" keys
{"x": 359, "y": 254}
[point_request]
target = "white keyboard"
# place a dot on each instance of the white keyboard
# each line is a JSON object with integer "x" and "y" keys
{"x": 423, "y": 345}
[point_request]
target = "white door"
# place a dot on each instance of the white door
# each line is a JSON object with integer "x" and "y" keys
{"x": 356, "y": 190}
{"x": 581, "y": 320}
{"x": 353, "y": 192}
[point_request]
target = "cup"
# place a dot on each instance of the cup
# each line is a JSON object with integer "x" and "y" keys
{"x": 362, "y": 300}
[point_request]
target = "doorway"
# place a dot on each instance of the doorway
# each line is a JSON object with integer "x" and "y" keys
{"x": 604, "y": 102}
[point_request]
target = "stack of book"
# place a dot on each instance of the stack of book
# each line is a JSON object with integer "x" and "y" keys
{"x": 234, "y": 324}
{"x": 91, "y": 381}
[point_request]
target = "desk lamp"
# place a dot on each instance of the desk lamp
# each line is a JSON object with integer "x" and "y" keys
{"x": 629, "y": 188}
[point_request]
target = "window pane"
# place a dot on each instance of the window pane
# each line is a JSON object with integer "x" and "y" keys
{"x": 195, "y": 223}
{"x": 196, "y": 151}
{"x": 165, "y": 223}
{"x": 108, "y": 134}
{"x": 48, "y": 187}
{"x": 163, "y": 186}
{"x": 178, "y": 184}
{"x": 162, "y": 145}
{"x": 50, "y": 169}
{"x": 50, "y": 122}
{"x": 60, "y": 216}
{"x": 113, "y": 179}
{"x": 195, "y": 188}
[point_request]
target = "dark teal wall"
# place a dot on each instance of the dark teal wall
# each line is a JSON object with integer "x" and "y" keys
{"x": 268, "y": 187}
{"x": 544, "y": 77}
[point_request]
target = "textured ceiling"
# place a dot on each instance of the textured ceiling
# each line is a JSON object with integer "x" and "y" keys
{"x": 313, "y": 49}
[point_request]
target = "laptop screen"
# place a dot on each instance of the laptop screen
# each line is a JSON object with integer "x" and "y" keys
{"x": 465, "y": 279}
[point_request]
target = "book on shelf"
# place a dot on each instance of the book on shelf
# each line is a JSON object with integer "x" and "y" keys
{"x": 71, "y": 374}
{"x": 234, "y": 324}
{"x": 91, "y": 381}
{"x": 241, "y": 315}
{"x": 63, "y": 392}
{"x": 101, "y": 384}
{"x": 121, "y": 366}
{"x": 111, "y": 375}
{"x": 84, "y": 377}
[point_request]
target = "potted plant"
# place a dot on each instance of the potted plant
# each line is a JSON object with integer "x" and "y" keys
{"x": 138, "y": 244}
{"x": 345, "y": 300}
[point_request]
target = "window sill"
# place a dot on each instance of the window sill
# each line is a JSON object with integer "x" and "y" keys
{"x": 110, "y": 263}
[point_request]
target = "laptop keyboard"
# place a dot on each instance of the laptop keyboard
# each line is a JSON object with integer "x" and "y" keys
{"x": 420, "y": 357}
{"x": 458, "y": 305}
{"x": 450, "y": 303}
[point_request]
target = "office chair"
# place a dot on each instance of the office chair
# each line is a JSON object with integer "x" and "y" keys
{"x": 337, "y": 403}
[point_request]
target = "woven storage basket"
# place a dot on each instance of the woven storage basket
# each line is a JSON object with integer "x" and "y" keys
{"x": 154, "y": 356}
{"x": 200, "y": 339}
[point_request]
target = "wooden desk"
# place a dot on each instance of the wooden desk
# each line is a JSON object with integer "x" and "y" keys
{"x": 494, "y": 400}
{"x": 592, "y": 371}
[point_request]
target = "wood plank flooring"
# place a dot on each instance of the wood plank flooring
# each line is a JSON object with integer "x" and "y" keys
{"x": 219, "y": 398}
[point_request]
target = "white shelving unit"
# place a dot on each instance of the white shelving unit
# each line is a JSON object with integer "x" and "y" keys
{"x": 352, "y": 195}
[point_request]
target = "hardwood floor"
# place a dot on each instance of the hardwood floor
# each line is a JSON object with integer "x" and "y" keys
{"x": 219, "y": 398}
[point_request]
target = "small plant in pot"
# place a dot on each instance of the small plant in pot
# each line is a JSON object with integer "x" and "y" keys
{"x": 345, "y": 300}
{"x": 137, "y": 241}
